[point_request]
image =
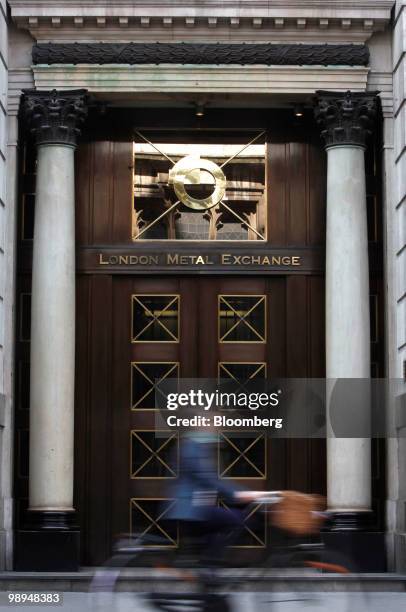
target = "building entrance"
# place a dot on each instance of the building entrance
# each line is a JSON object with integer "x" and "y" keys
{"x": 179, "y": 274}
{"x": 164, "y": 290}
{"x": 149, "y": 329}
{"x": 184, "y": 327}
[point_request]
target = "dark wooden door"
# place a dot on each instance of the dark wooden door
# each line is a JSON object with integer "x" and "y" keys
{"x": 189, "y": 328}
{"x": 133, "y": 330}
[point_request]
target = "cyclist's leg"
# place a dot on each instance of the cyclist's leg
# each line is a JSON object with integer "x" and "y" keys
{"x": 223, "y": 527}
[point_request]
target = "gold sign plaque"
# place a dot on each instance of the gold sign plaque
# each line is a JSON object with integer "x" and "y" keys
{"x": 188, "y": 171}
{"x": 230, "y": 260}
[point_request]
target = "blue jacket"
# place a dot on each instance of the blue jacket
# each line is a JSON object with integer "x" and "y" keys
{"x": 198, "y": 485}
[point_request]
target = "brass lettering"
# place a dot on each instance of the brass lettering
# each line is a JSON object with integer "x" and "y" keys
{"x": 173, "y": 259}
{"x": 102, "y": 262}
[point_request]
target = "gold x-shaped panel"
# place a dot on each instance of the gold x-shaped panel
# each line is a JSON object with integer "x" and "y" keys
{"x": 150, "y": 520}
{"x": 229, "y": 369}
{"x": 241, "y": 456}
{"x": 255, "y": 514}
{"x": 140, "y": 444}
{"x": 154, "y": 315}
{"x": 226, "y": 308}
{"x": 241, "y": 373}
{"x": 150, "y": 374}
{"x": 221, "y": 202}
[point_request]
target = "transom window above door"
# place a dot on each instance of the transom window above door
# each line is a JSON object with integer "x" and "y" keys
{"x": 199, "y": 186}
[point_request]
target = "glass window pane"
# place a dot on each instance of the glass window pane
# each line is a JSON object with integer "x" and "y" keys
{"x": 199, "y": 187}
{"x": 253, "y": 534}
{"x": 242, "y": 456}
{"x": 154, "y": 455}
{"x": 144, "y": 378}
{"x": 242, "y": 318}
{"x": 155, "y": 318}
{"x": 242, "y": 371}
{"x": 147, "y": 519}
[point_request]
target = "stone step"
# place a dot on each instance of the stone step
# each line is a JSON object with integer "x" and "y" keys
{"x": 145, "y": 579}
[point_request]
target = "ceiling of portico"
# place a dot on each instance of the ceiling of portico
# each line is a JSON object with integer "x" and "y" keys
{"x": 202, "y": 20}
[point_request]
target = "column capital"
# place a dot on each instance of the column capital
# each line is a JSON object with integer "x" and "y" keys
{"x": 54, "y": 117}
{"x": 346, "y": 118}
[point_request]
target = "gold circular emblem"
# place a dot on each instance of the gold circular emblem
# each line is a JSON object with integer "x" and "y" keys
{"x": 188, "y": 171}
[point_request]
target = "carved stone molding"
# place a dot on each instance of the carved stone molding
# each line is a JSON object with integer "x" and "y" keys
{"x": 54, "y": 117}
{"x": 346, "y": 118}
{"x": 190, "y": 53}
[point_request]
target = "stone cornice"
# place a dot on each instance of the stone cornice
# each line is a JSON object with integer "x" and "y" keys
{"x": 354, "y": 20}
{"x": 54, "y": 117}
{"x": 346, "y": 118}
{"x": 189, "y": 53}
{"x": 94, "y": 7}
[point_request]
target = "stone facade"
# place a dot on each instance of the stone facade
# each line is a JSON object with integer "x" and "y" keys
{"x": 283, "y": 22}
{"x": 4, "y": 473}
{"x": 396, "y": 275}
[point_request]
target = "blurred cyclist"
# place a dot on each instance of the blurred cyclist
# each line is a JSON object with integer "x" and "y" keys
{"x": 197, "y": 491}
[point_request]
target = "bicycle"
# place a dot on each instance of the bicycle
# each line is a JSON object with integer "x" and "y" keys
{"x": 206, "y": 588}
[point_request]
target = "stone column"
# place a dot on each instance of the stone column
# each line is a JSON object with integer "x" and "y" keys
{"x": 346, "y": 121}
{"x": 54, "y": 120}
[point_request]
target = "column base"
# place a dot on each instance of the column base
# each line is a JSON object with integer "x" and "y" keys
{"x": 350, "y": 535}
{"x": 350, "y": 521}
{"x": 49, "y": 541}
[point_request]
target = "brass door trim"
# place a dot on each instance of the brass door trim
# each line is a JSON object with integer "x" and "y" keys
{"x": 176, "y": 296}
{"x": 261, "y": 365}
{"x": 242, "y": 454}
{"x": 171, "y": 436}
{"x": 263, "y": 298}
{"x": 262, "y": 543}
{"x": 154, "y": 522}
{"x": 175, "y": 364}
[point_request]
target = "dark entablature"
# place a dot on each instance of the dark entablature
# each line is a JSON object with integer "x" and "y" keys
{"x": 187, "y": 53}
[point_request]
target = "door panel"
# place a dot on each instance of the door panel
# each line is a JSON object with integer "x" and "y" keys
{"x": 124, "y": 472}
{"x": 192, "y": 328}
